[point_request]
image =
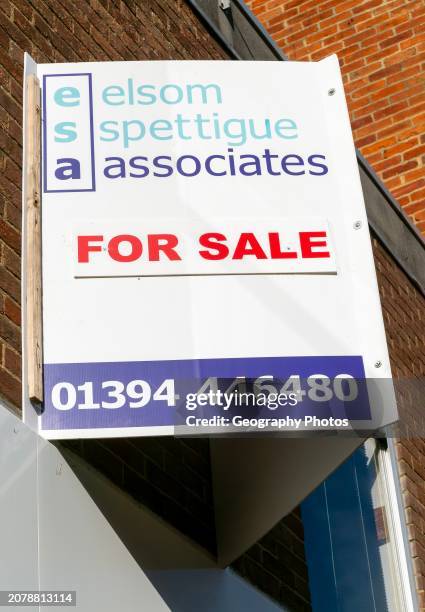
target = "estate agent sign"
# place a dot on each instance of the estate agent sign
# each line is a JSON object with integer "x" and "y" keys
{"x": 206, "y": 260}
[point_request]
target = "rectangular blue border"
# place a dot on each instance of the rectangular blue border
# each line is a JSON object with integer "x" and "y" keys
{"x": 93, "y": 174}
{"x": 189, "y": 374}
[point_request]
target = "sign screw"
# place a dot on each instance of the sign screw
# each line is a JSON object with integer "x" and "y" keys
{"x": 331, "y": 91}
{"x": 357, "y": 225}
{"x": 378, "y": 364}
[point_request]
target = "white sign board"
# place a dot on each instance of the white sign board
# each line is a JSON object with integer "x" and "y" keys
{"x": 204, "y": 236}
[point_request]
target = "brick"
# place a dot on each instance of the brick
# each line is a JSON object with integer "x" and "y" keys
{"x": 10, "y": 236}
{"x": 10, "y": 105}
{"x": 358, "y": 91}
{"x": 12, "y": 362}
{"x": 414, "y": 152}
{"x": 10, "y": 147}
{"x": 361, "y": 122}
{"x": 395, "y": 39}
{"x": 10, "y": 284}
{"x": 10, "y": 388}
{"x": 387, "y": 163}
{"x": 361, "y": 142}
{"x": 381, "y": 144}
{"x": 417, "y": 196}
{"x": 387, "y": 91}
{"x": 399, "y": 169}
{"x": 13, "y": 215}
{"x": 10, "y": 333}
{"x": 400, "y": 147}
{"x": 414, "y": 175}
{"x": 386, "y": 72}
{"x": 12, "y": 261}
{"x": 410, "y": 187}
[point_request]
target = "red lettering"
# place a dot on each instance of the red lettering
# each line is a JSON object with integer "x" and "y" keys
{"x": 212, "y": 241}
{"x": 247, "y": 239}
{"x": 136, "y": 247}
{"x": 275, "y": 249}
{"x": 84, "y": 247}
{"x": 165, "y": 243}
{"x": 308, "y": 244}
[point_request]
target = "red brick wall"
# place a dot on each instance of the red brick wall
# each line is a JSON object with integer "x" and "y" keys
{"x": 404, "y": 318}
{"x": 381, "y": 48}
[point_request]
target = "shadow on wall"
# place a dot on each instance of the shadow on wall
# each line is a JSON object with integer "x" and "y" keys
{"x": 210, "y": 591}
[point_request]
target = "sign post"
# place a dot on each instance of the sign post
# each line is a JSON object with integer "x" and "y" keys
{"x": 33, "y": 242}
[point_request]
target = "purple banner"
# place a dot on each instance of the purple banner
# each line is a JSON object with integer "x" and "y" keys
{"x": 159, "y": 393}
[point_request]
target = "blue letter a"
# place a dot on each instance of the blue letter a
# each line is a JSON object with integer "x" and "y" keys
{"x": 71, "y": 169}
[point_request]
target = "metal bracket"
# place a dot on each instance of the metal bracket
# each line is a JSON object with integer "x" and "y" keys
{"x": 227, "y": 10}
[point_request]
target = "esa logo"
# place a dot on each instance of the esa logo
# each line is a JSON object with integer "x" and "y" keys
{"x": 68, "y": 133}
